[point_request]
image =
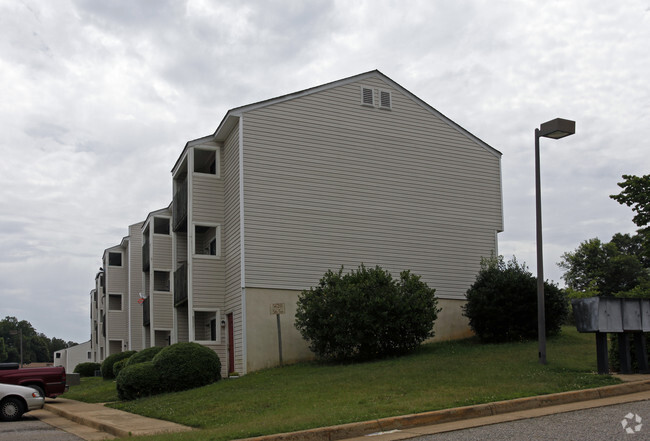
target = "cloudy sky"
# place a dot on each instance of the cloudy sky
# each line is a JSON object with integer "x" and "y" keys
{"x": 98, "y": 99}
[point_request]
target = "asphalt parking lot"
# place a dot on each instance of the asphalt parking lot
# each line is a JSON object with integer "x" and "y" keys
{"x": 31, "y": 429}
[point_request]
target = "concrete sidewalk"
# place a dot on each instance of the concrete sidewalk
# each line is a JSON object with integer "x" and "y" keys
{"x": 105, "y": 420}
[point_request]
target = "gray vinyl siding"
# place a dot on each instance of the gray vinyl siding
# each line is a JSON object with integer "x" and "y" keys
{"x": 162, "y": 251}
{"x": 163, "y": 310}
{"x": 208, "y": 281}
{"x": 329, "y": 182}
{"x": 207, "y": 198}
{"x": 232, "y": 240}
{"x": 135, "y": 280}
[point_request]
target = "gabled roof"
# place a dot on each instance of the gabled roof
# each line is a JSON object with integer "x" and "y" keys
{"x": 232, "y": 116}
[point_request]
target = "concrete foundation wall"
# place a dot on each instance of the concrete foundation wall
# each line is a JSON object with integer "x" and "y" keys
{"x": 262, "y": 330}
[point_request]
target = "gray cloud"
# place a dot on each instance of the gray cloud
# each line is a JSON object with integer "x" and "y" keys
{"x": 104, "y": 95}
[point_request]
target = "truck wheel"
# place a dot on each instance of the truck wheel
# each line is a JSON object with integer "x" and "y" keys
{"x": 11, "y": 409}
{"x": 38, "y": 388}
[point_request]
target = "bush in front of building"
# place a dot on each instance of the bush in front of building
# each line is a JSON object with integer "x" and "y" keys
{"x": 118, "y": 366}
{"x": 502, "y": 303}
{"x": 366, "y": 314}
{"x": 107, "y": 365}
{"x": 137, "y": 381}
{"x": 143, "y": 355}
{"x": 87, "y": 369}
{"x": 184, "y": 366}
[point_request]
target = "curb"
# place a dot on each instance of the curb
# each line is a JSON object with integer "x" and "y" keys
{"x": 88, "y": 421}
{"x": 353, "y": 430}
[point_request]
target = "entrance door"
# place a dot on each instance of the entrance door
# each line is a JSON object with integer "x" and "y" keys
{"x": 231, "y": 345}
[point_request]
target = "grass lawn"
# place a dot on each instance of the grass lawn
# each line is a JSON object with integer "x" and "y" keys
{"x": 307, "y": 395}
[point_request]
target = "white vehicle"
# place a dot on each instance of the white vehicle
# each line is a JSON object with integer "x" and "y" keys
{"x": 16, "y": 400}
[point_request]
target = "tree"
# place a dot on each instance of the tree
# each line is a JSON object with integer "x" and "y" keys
{"x": 502, "y": 303}
{"x": 636, "y": 194}
{"x": 604, "y": 268}
{"x": 36, "y": 347}
{"x": 366, "y": 314}
{"x": 3, "y": 350}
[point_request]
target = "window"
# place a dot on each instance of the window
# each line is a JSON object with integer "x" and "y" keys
{"x": 205, "y": 161}
{"x": 114, "y": 259}
{"x": 206, "y": 240}
{"x": 58, "y": 355}
{"x": 115, "y": 302}
{"x": 161, "y": 225}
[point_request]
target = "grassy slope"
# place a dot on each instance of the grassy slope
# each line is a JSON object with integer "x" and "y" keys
{"x": 437, "y": 376}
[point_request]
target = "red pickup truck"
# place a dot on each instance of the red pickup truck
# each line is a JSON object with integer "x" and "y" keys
{"x": 49, "y": 381}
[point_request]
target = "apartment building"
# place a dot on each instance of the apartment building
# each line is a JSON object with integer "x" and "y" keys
{"x": 355, "y": 171}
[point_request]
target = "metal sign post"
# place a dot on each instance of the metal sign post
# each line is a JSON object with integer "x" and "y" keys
{"x": 277, "y": 309}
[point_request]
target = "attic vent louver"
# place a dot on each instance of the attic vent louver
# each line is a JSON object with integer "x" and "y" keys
{"x": 384, "y": 99}
{"x": 367, "y": 96}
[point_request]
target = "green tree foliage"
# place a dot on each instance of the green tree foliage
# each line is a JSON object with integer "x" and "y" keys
{"x": 36, "y": 347}
{"x": 607, "y": 269}
{"x": 502, "y": 303}
{"x": 366, "y": 314}
{"x": 636, "y": 194}
{"x": 3, "y": 350}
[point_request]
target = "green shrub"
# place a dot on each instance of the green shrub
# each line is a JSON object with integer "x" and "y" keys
{"x": 184, "y": 366}
{"x": 87, "y": 369}
{"x": 119, "y": 365}
{"x": 143, "y": 355}
{"x": 366, "y": 314}
{"x": 107, "y": 365}
{"x": 138, "y": 380}
{"x": 502, "y": 303}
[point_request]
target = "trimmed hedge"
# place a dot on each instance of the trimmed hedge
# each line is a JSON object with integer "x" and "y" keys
{"x": 107, "y": 365}
{"x": 137, "y": 381}
{"x": 186, "y": 365}
{"x": 143, "y": 355}
{"x": 119, "y": 365}
{"x": 87, "y": 369}
{"x": 366, "y": 314}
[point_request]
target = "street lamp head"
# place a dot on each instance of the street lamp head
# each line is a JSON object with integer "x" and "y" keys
{"x": 557, "y": 128}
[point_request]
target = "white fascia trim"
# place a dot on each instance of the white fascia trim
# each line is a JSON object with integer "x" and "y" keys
{"x": 241, "y": 243}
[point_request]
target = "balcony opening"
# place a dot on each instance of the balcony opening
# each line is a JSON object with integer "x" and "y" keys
{"x": 206, "y": 240}
{"x": 205, "y": 161}
{"x": 205, "y": 326}
{"x": 114, "y": 259}
{"x": 160, "y": 225}
{"x": 161, "y": 281}
{"x": 115, "y": 302}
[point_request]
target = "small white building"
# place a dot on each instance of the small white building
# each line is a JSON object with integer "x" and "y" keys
{"x": 70, "y": 357}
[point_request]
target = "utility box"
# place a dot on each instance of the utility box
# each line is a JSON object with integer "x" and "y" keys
{"x": 598, "y": 314}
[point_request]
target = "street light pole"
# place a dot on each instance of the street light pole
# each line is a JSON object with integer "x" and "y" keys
{"x": 554, "y": 129}
{"x": 541, "y": 314}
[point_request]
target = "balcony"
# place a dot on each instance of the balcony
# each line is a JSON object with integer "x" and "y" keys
{"x": 146, "y": 256}
{"x": 179, "y": 210}
{"x": 180, "y": 285}
{"x": 146, "y": 312}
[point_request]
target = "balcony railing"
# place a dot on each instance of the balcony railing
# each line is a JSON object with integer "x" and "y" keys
{"x": 180, "y": 285}
{"x": 146, "y": 313}
{"x": 179, "y": 210}
{"x": 146, "y": 256}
